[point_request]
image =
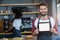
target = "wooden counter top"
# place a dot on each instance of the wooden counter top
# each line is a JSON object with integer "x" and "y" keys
{"x": 12, "y": 33}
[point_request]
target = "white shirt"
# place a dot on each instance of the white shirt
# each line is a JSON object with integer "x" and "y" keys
{"x": 51, "y": 20}
{"x": 17, "y": 23}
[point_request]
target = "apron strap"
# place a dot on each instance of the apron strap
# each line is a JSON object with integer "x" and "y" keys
{"x": 38, "y": 23}
{"x": 49, "y": 22}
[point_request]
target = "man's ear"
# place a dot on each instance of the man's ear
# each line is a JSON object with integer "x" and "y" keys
{"x": 47, "y": 9}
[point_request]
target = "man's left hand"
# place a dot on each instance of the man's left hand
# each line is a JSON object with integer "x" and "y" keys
{"x": 54, "y": 31}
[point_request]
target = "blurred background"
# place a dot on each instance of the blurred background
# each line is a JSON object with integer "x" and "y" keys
{"x": 30, "y": 11}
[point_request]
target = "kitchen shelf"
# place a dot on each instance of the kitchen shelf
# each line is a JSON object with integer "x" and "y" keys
{"x": 30, "y": 12}
{"x": 26, "y": 4}
{"x": 12, "y": 33}
{"x": 22, "y": 13}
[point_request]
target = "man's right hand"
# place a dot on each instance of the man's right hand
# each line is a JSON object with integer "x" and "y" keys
{"x": 36, "y": 31}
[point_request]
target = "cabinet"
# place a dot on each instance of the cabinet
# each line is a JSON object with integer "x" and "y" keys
{"x": 27, "y": 4}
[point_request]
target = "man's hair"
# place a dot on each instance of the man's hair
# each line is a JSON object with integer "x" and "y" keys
{"x": 43, "y": 4}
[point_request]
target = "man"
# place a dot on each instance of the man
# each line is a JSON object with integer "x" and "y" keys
{"x": 44, "y": 25}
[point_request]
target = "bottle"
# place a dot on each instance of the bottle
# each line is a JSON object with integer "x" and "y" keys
{"x": 6, "y": 22}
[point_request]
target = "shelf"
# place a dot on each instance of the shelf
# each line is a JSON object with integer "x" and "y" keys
{"x": 5, "y": 14}
{"x": 30, "y": 12}
{"x": 22, "y": 13}
{"x": 25, "y": 4}
{"x": 5, "y": 33}
{"x": 12, "y": 33}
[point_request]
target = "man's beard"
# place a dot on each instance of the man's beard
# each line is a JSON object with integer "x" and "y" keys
{"x": 43, "y": 14}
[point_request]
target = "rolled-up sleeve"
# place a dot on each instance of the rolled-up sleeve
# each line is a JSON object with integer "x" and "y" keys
{"x": 33, "y": 27}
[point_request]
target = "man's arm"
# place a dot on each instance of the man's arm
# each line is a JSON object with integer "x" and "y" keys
{"x": 55, "y": 29}
{"x": 34, "y": 29}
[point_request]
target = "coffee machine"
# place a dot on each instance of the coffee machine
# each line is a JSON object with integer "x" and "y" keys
{"x": 6, "y": 22}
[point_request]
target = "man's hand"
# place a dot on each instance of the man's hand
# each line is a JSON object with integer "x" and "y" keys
{"x": 54, "y": 31}
{"x": 36, "y": 31}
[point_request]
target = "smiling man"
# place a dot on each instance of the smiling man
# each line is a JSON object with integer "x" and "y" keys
{"x": 44, "y": 25}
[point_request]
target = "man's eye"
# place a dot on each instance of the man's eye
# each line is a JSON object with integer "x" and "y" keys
{"x": 44, "y": 8}
{"x": 40, "y": 9}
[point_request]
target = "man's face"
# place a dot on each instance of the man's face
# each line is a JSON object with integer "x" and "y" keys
{"x": 43, "y": 10}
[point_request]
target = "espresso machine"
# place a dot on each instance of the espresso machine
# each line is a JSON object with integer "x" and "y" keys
{"x": 6, "y": 22}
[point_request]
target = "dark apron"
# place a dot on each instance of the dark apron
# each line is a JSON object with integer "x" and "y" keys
{"x": 16, "y": 33}
{"x": 45, "y": 35}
